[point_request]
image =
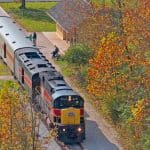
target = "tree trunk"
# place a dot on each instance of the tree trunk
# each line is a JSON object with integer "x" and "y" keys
{"x": 23, "y": 5}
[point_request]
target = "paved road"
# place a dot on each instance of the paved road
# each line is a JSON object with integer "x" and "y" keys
{"x": 97, "y": 138}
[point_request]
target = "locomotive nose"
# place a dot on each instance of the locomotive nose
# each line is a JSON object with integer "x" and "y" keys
{"x": 70, "y": 116}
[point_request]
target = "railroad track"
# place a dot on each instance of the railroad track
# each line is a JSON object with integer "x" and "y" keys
{"x": 78, "y": 146}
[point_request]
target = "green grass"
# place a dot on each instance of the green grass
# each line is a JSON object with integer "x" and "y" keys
{"x": 34, "y": 18}
{"x": 106, "y": 2}
{"x": 67, "y": 70}
{"x": 3, "y": 83}
{"x": 4, "y": 69}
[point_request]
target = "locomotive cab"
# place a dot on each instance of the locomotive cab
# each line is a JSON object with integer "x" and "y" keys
{"x": 71, "y": 109}
{"x": 68, "y": 113}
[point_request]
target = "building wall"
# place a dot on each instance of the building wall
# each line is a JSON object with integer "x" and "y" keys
{"x": 68, "y": 36}
{"x": 60, "y": 32}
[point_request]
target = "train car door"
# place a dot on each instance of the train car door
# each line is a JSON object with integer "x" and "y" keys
{"x": 22, "y": 75}
{"x": 5, "y": 53}
{"x": 17, "y": 69}
{"x": 1, "y": 48}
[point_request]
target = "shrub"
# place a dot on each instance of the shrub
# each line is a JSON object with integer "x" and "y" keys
{"x": 145, "y": 141}
{"x": 119, "y": 110}
{"x": 78, "y": 54}
{"x": 83, "y": 75}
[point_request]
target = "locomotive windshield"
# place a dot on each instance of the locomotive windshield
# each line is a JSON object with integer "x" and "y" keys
{"x": 69, "y": 101}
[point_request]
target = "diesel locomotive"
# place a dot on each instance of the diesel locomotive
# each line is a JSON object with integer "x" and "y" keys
{"x": 48, "y": 91}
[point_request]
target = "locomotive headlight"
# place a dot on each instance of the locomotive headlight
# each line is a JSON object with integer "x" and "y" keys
{"x": 69, "y": 99}
{"x": 64, "y": 129}
{"x": 79, "y": 129}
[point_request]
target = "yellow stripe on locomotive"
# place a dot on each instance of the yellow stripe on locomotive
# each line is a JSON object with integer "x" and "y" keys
{"x": 70, "y": 116}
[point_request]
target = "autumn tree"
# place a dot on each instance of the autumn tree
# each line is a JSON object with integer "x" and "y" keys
{"x": 119, "y": 72}
{"x": 106, "y": 76}
{"x": 18, "y": 121}
{"x": 136, "y": 28}
{"x": 103, "y": 19}
{"x": 137, "y": 119}
{"x": 100, "y": 22}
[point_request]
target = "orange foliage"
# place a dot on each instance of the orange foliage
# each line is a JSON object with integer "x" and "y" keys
{"x": 107, "y": 73}
{"x": 16, "y": 126}
{"x": 138, "y": 116}
{"x": 103, "y": 67}
{"x": 136, "y": 28}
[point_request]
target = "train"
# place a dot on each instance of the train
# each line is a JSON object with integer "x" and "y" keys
{"x": 47, "y": 89}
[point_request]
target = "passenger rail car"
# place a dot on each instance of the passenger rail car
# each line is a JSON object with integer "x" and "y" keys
{"x": 62, "y": 106}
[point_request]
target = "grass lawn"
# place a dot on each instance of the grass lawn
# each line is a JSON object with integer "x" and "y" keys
{"x": 3, "y": 83}
{"x": 34, "y": 18}
{"x": 106, "y": 2}
{"x": 4, "y": 69}
{"x": 9, "y": 84}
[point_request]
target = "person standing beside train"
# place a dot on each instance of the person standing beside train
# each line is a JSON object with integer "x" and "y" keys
{"x": 55, "y": 53}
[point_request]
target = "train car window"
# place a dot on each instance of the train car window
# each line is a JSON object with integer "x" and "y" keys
{"x": 57, "y": 119}
{"x": 81, "y": 119}
{"x": 5, "y": 50}
{"x": 32, "y": 55}
{"x": 52, "y": 90}
{"x": 43, "y": 79}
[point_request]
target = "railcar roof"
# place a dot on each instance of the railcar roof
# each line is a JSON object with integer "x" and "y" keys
{"x": 64, "y": 92}
{"x": 62, "y": 88}
{"x": 33, "y": 61}
{"x": 13, "y": 35}
{"x": 57, "y": 83}
{"x": 52, "y": 75}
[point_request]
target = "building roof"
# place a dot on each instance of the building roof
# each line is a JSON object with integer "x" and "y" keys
{"x": 70, "y": 13}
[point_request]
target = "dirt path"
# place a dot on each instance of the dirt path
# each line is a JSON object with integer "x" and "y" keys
{"x": 6, "y": 78}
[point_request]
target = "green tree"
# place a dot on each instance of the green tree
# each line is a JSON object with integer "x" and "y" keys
{"x": 78, "y": 54}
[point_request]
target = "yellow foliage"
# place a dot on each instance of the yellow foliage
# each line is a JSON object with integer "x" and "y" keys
{"x": 15, "y": 122}
{"x": 137, "y": 111}
{"x": 107, "y": 58}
